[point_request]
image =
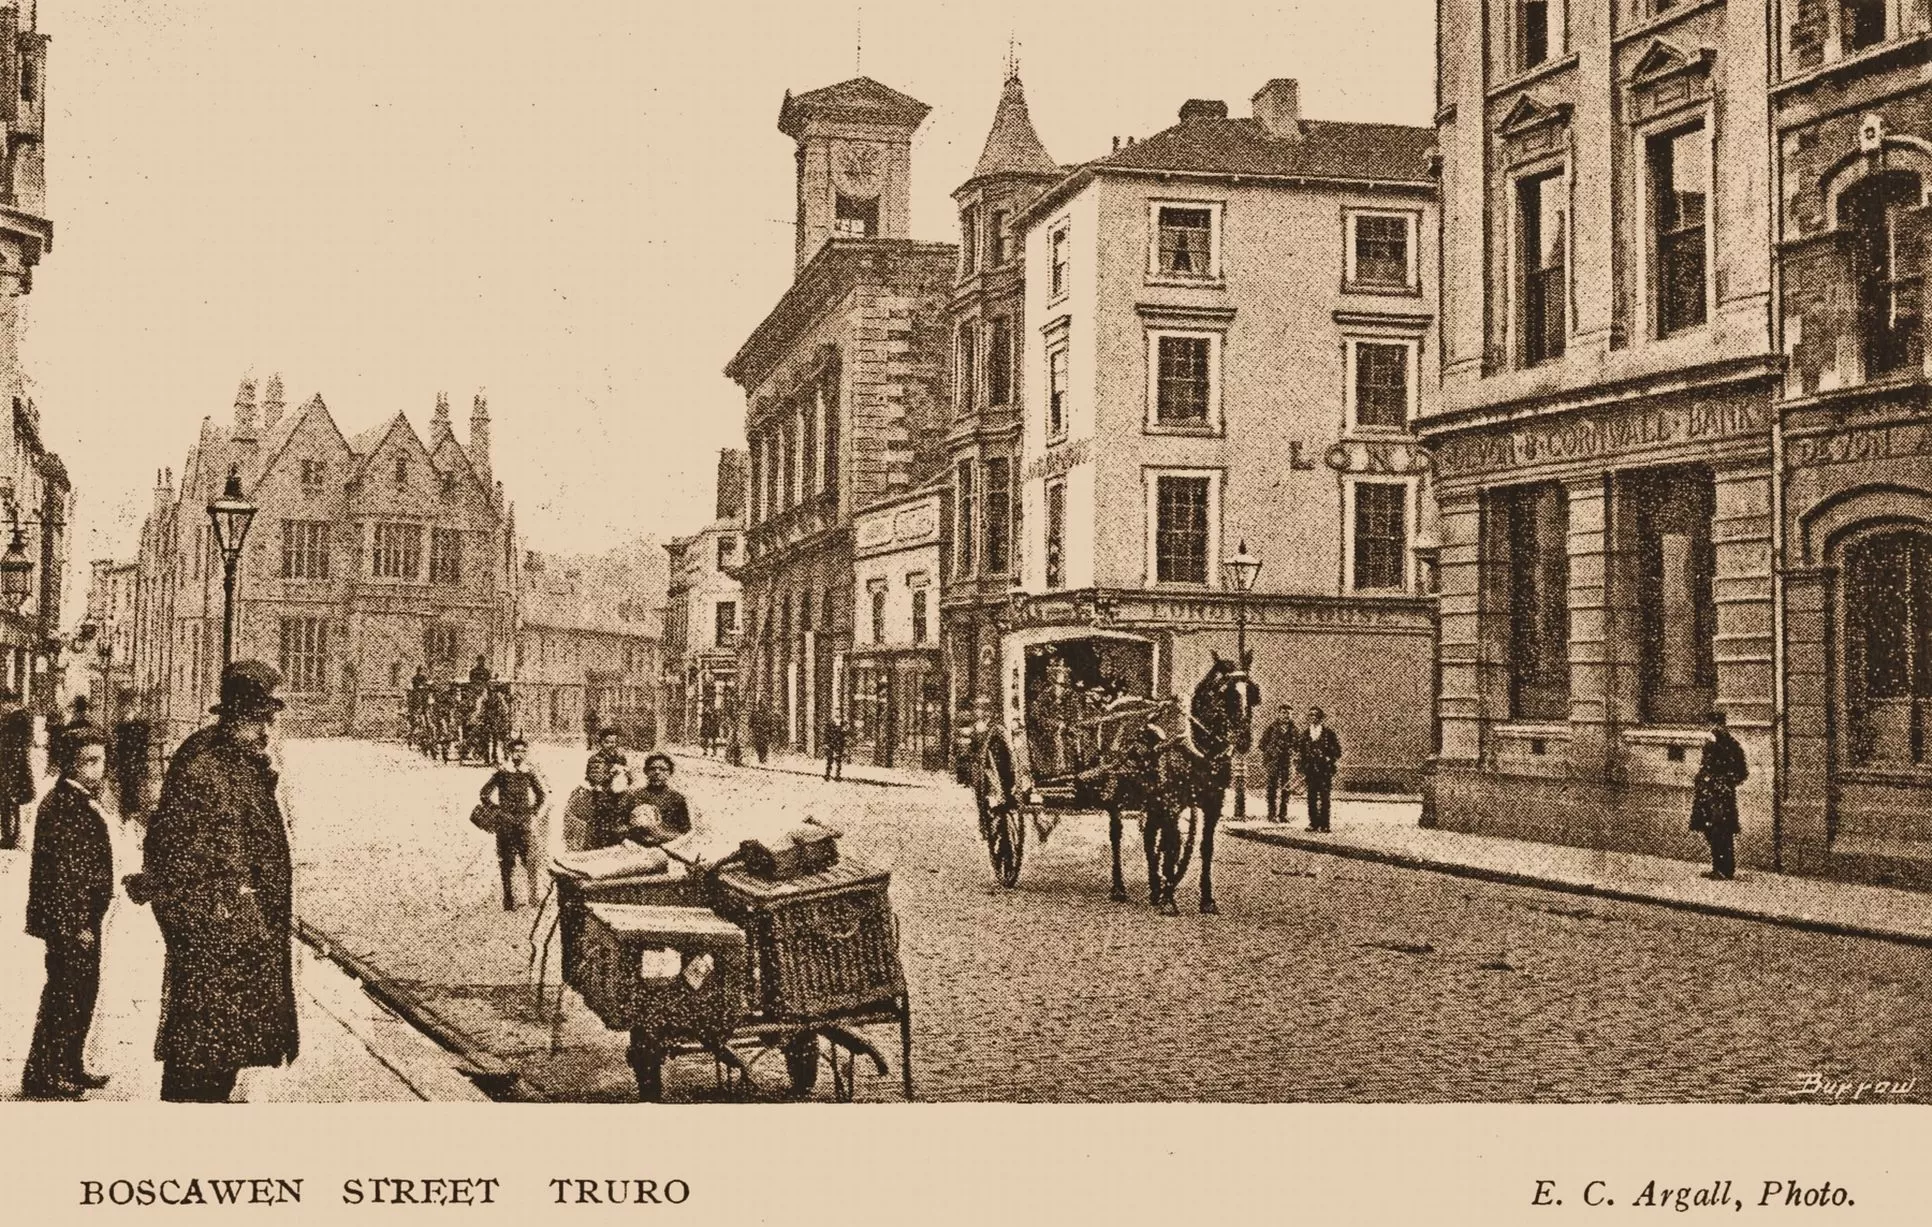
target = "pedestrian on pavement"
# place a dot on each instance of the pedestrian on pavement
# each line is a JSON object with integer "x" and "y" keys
{"x": 592, "y": 725}
{"x": 218, "y": 874}
{"x": 16, "y": 766}
{"x": 1320, "y": 749}
{"x": 1279, "y": 744}
{"x": 480, "y": 674}
{"x": 834, "y": 750}
{"x": 496, "y": 721}
{"x": 69, "y": 886}
{"x": 79, "y": 721}
{"x": 707, "y": 731}
{"x": 519, "y": 794}
{"x": 668, "y": 814}
{"x": 1720, "y": 770}
{"x": 760, "y": 733}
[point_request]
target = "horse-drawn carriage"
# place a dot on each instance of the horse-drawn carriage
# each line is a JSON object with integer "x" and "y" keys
{"x": 1081, "y": 730}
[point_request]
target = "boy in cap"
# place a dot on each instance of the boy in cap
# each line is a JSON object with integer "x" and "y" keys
{"x": 519, "y": 795}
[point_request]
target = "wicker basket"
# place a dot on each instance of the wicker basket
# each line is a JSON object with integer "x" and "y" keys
{"x": 677, "y": 972}
{"x": 822, "y": 944}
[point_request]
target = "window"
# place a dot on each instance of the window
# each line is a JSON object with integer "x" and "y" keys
{"x": 968, "y": 524}
{"x": 312, "y": 472}
{"x": 855, "y": 219}
{"x": 1679, "y": 178}
{"x": 1057, "y": 248}
{"x": 305, "y": 549}
{"x": 29, "y": 79}
{"x": 1186, "y": 242}
{"x": 998, "y": 516}
{"x": 968, "y": 242}
{"x": 1861, "y": 23}
{"x": 1885, "y": 223}
{"x": 878, "y": 611}
{"x": 1532, "y": 525}
{"x": 996, "y": 252}
{"x": 1888, "y": 674}
{"x": 968, "y": 366}
{"x": 402, "y": 470}
{"x": 445, "y": 556}
{"x": 1676, "y": 601}
{"x": 999, "y": 361}
{"x": 919, "y": 614}
{"x": 1379, "y": 251}
{"x": 788, "y": 457}
{"x": 1182, "y": 380}
{"x": 1056, "y": 407}
{"x": 727, "y": 549}
{"x": 441, "y": 645}
{"x": 1381, "y": 535}
{"x": 724, "y": 628}
{"x": 395, "y": 674}
{"x": 398, "y": 552}
{"x": 1381, "y": 383}
{"x": 1181, "y": 530}
{"x": 1056, "y": 534}
{"x": 305, "y": 655}
{"x": 1539, "y": 31}
{"x": 830, "y": 397}
{"x": 1541, "y": 212}
{"x": 808, "y": 453}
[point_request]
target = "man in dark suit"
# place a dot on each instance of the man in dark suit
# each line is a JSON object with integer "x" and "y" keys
{"x": 1321, "y": 749}
{"x": 219, "y": 874}
{"x": 1280, "y": 742}
{"x": 69, "y": 887}
{"x": 1720, "y": 769}
{"x": 16, "y": 767}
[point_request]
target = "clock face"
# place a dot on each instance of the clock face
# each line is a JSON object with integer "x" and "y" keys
{"x": 859, "y": 167}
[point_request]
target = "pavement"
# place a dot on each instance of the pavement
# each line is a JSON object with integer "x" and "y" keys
{"x": 1388, "y": 832}
{"x": 353, "y": 1050}
{"x": 784, "y": 762}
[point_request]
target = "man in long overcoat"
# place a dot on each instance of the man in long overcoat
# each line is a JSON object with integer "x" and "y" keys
{"x": 1720, "y": 770}
{"x": 16, "y": 766}
{"x": 219, "y": 875}
{"x": 1320, "y": 750}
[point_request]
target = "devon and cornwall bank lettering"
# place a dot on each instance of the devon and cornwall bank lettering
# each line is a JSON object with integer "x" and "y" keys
{"x": 1590, "y": 437}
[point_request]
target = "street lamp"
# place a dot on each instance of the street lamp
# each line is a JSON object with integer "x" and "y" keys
{"x": 231, "y": 515}
{"x": 1242, "y": 571}
{"x": 16, "y": 571}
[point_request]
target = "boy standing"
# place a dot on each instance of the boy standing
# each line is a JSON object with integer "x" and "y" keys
{"x": 519, "y": 795}
{"x": 69, "y": 887}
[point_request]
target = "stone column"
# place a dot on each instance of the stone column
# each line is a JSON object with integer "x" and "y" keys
{"x": 1811, "y": 714}
{"x": 1593, "y": 715}
{"x": 1468, "y": 660}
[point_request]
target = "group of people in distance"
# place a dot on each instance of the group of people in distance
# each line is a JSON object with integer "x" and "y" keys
{"x": 475, "y": 717}
{"x": 1313, "y": 750}
{"x": 609, "y": 808}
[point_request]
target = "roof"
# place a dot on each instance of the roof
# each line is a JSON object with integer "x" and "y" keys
{"x": 1392, "y": 154}
{"x": 860, "y": 98}
{"x": 592, "y": 593}
{"x": 1012, "y": 146}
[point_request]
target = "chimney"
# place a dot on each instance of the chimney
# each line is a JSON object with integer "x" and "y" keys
{"x": 480, "y": 435}
{"x": 272, "y": 402}
{"x": 245, "y": 411}
{"x": 1277, "y": 108}
{"x": 439, "y": 427}
{"x": 1203, "y": 108}
{"x": 1116, "y": 144}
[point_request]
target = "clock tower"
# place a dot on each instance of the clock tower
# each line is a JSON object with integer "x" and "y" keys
{"x": 854, "y": 162}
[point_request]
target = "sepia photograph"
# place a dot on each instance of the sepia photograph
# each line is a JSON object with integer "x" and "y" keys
{"x": 966, "y": 553}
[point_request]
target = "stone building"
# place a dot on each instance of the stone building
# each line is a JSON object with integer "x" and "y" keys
{"x": 35, "y": 494}
{"x": 370, "y": 555}
{"x": 1851, "y": 440}
{"x": 587, "y": 635}
{"x": 1605, "y": 443}
{"x": 896, "y": 692}
{"x": 704, "y": 610}
{"x": 988, "y": 318}
{"x": 1230, "y": 329}
{"x": 845, "y": 395}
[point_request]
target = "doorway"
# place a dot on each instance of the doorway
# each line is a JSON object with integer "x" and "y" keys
{"x": 1885, "y": 680}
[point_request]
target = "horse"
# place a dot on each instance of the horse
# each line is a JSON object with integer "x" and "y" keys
{"x": 1168, "y": 771}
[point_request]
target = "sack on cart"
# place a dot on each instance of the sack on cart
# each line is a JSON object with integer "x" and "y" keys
{"x": 805, "y": 849}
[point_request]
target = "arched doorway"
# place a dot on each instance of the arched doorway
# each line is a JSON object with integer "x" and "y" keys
{"x": 1885, "y": 682}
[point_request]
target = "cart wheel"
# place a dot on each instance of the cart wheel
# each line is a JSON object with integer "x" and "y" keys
{"x": 801, "y": 1062}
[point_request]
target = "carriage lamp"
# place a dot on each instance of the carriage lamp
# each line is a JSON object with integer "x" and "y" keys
{"x": 231, "y": 515}
{"x": 1242, "y": 571}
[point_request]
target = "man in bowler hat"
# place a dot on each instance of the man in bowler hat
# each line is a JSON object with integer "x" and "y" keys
{"x": 69, "y": 886}
{"x": 219, "y": 875}
{"x": 1720, "y": 770}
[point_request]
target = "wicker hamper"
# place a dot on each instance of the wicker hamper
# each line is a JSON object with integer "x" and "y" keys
{"x": 679, "y": 972}
{"x": 825, "y": 943}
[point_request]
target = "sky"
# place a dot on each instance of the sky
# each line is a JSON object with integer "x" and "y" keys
{"x": 582, "y": 208}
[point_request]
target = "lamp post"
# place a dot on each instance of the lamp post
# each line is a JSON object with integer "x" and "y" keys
{"x": 231, "y": 515}
{"x": 16, "y": 571}
{"x": 1242, "y": 570}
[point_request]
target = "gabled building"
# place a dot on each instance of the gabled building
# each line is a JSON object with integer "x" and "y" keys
{"x": 846, "y": 401}
{"x": 703, "y": 612}
{"x": 587, "y": 643}
{"x": 369, "y": 556}
{"x": 1230, "y": 330}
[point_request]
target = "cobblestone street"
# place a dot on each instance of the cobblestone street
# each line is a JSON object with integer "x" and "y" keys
{"x": 1323, "y": 979}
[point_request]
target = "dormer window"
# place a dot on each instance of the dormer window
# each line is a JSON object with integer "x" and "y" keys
{"x": 402, "y": 470}
{"x": 968, "y": 241}
{"x": 449, "y": 484}
{"x": 996, "y": 252}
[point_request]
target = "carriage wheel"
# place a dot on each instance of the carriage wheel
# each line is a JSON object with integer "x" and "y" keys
{"x": 801, "y": 1062}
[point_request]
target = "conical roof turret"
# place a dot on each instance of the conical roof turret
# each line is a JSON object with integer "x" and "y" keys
{"x": 1013, "y": 147}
